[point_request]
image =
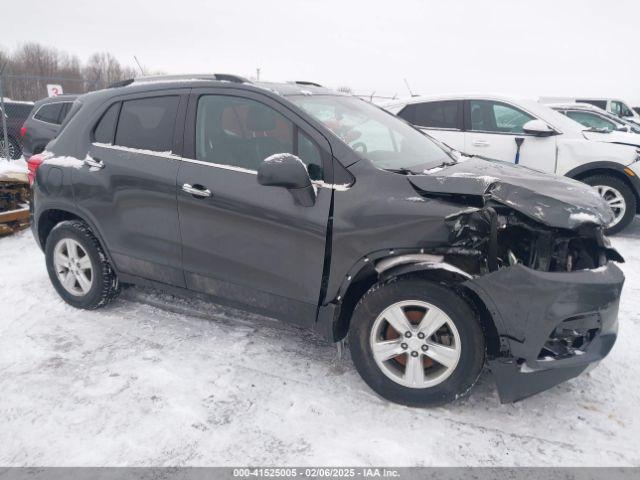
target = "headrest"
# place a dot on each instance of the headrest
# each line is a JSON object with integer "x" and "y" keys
{"x": 260, "y": 119}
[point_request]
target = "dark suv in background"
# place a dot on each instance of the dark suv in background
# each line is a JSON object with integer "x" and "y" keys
{"x": 327, "y": 212}
{"x": 44, "y": 122}
{"x": 15, "y": 116}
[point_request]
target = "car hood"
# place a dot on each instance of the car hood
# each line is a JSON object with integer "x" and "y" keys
{"x": 549, "y": 199}
{"x": 625, "y": 138}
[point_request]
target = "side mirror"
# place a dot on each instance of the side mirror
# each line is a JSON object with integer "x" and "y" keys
{"x": 538, "y": 128}
{"x": 287, "y": 171}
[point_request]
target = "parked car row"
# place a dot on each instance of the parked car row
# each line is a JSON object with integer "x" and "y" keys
{"x": 531, "y": 134}
{"x": 328, "y": 212}
{"x": 30, "y": 126}
{"x": 614, "y": 106}
{"x": 14, "y": 117}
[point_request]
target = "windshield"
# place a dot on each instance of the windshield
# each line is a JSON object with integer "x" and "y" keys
{"x": 374, "y": 134}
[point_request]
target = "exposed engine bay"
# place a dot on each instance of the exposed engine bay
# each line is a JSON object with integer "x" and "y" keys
{"x": 486, "y": 240}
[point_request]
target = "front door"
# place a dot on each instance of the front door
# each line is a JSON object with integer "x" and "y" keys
{"x": 245, "y": 243}
{"x": 127, "y": 187}
{"x": 493, "y": 129}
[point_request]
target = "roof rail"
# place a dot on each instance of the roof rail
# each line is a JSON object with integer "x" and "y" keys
{"x": 121, "y": 83}
{"x": 221, "y": 77}
{"x": 304, "y": 82}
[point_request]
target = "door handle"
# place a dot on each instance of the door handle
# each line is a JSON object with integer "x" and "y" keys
{"x": 480, "y": 143}
{"x": 94, "y": 163}
{"x": 196, "y": 191}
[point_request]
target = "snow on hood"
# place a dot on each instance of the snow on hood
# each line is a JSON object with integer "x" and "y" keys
{"x": 549, "y": 199}
{"x": 625, "y": 138}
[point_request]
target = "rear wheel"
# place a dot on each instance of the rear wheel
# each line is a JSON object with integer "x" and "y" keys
{"x": 416, "y": 342}
{"x": 618, "y": 196}
{"x": 78, "y": 267}
{"x": 14, "y": 148}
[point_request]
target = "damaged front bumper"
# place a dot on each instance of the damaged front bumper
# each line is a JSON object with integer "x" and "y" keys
{"x": 551, "y": 325}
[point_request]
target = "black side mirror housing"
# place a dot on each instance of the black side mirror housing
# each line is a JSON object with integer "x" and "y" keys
{"x": 287, "y": 171}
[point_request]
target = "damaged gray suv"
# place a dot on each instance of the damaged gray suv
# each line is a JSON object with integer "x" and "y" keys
{"x": 322, "y": 210}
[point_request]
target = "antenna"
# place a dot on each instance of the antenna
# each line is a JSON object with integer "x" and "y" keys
{"x": 408, "y": 87}
{"x": 139, "y": 66}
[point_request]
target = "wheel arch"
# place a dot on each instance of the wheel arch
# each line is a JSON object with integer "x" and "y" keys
{"x": 49, "y": 218}
{"x": 415, "y": 264}
{"x": 615, "y": 170}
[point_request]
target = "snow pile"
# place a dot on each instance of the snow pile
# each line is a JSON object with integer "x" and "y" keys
{"x": 13, "y": 167}
{"x": 157, "y": 380}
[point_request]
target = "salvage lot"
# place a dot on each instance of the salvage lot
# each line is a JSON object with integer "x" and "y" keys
{"x": 158, "y": 380}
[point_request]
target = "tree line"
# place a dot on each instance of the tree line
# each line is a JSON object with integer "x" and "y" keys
{"x": 31, "y": 66}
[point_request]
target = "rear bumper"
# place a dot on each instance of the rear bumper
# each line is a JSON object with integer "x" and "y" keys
{"x": 552, "y": 325}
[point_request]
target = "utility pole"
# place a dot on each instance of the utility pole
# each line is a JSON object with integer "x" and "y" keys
{"x": 258, "y": 74}
{"x": 4, "y": 117}
{"x": 408, "y": 87}
{"x": 139, "y": 66}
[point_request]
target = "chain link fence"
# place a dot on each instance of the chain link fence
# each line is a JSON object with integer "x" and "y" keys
{"x": 18, "y": 93}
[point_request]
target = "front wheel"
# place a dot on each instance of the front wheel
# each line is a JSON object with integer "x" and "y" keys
{"x": 618, "y": 196}
{"x": 416, "y": 342}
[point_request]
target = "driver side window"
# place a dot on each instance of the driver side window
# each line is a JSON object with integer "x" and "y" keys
{"x": 497, "y": 117}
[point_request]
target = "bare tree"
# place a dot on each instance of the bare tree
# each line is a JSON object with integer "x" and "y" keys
{"x": 104, "y": 69}
{"x": 32, "y": 66}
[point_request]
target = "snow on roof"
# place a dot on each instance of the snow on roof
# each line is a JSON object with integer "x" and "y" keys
{"x": 24, "y": 102}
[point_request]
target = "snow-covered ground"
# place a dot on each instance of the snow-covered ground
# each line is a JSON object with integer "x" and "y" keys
{"x": 158, "y": 380}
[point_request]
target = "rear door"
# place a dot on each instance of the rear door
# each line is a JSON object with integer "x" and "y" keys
{"x": 493, "y": 129}
{"x": 242, "y": 242}
{"x": 128, "y": 186}
{"x": 441, "y": 119}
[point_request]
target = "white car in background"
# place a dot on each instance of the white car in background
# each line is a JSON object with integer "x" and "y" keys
{"x": 600, "y": 125}
{"x": 593, "y": 117}
{"x": 535, "y": 136}
{"x": 615, "y": 106}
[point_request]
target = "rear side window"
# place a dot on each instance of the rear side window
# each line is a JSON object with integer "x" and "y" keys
{"x": 50, "y": 113}
{"x": 148, "y": 123}
{"x": 445, "y": 114}
{"x": 106, "y": 127}
{"x": 18, "y": 110}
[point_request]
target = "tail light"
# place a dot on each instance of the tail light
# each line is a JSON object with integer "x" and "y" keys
{"x": 32, "y": 164}
{"x": 23, "y": 131}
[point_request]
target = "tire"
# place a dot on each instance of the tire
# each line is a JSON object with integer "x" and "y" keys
{"x": 386, "y": 378}
{"x": 14, "y": 148}
{"x": 76, "y": 236}
{"x": 614, "y": 186}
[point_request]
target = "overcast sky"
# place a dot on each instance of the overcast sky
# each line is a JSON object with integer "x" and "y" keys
{"x": 532, "y": 48}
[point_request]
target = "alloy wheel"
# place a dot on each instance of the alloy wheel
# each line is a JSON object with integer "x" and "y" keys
{"x": 73, "y": 267}
{"x": 415, "y": 344}
{"x": 615, "y": 200}
{"x": 12, "y": 150}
